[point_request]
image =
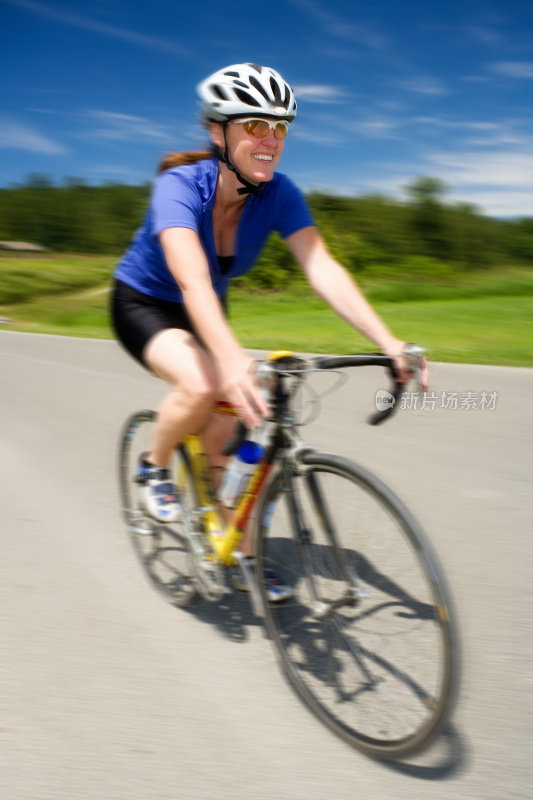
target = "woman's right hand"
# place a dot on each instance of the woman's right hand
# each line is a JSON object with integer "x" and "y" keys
{"x": 240, "y": 389}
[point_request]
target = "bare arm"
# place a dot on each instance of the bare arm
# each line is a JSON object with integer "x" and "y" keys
{"x": 188, "y": 264}
{"x": 334, "y": 284}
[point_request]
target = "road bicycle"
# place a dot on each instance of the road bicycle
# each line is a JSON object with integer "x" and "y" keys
{"x": 368, "y": 640}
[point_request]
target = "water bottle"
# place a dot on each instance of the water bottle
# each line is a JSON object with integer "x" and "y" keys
{"x": 238, "y": 472}
{"x": 242, "y": 464}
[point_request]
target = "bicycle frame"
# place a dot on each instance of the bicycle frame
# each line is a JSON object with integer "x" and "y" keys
{"x": 224, "y": 539}
{"x": 350, "y": 627}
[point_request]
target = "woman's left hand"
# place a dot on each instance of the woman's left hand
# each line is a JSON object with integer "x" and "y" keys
{"x": 395, "y": 350}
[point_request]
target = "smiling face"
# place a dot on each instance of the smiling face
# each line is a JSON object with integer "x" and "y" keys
{"x": 255, "y": 159}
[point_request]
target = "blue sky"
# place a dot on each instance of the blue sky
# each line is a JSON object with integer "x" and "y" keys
{"x": 388, "y": 90}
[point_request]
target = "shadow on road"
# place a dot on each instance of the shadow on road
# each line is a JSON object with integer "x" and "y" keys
{"x": 447, "y": 757}
{"x": 232, "y": 616}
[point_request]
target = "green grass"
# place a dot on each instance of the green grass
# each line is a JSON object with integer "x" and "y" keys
{"x": 486, "y": 330}
{"x": 24, "y": 277}
{"x": 485, "y": 318}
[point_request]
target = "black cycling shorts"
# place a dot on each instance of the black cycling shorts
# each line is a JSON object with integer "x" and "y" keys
{"x": 136, "y": 317}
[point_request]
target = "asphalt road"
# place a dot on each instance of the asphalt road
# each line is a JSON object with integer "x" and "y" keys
{"x": 108, "y": 692}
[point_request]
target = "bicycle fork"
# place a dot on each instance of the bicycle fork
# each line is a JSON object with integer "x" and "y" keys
{"x": 304, "y": 536}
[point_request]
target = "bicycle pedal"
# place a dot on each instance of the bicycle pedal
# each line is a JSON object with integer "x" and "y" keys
{"x": 142, "y": 526}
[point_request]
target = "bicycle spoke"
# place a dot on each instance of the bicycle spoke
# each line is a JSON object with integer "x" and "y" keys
{"x": 362, "y": 639}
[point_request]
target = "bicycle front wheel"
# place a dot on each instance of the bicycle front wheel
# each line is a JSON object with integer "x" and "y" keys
{"x": 368, "y": 638}
{"x": 162, "y": 549}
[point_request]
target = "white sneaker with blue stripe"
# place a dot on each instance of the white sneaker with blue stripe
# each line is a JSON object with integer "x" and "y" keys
{"x": 160, "y": 496}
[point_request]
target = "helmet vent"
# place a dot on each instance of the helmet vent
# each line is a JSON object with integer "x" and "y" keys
{"x": 218, "y": 91}
{"x": 255, "y": 83}
{"x": 256, "y": 67}
{"x": 244, "y": 97}
{"x": 232, "y": 74}
{"x": 275, "y": 89}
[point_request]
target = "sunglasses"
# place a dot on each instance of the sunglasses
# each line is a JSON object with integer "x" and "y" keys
{"x": 259, "y": 128}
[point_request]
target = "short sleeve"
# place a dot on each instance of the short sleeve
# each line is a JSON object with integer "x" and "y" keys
{"x": 176, "y": 203}
{"x": 293, "y": 211}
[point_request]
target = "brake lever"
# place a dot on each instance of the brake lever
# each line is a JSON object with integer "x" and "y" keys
{"x": 413, "y": 355}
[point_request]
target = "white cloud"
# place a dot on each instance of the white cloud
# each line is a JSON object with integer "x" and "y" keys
{"x": 444, "y": 122}
{"x": 86, "y": 23}
{"x": 503, "y": 203}
{"x": 16, "y": 136}
{"x": 503, "y": 200}
{"x": 125, "y": 127}
{"x": 513, "y": 171}
{"x": 498, "y": 182}
{"x": 361, "y": 33}
{"x": 317, "y": 93}
{"x": 377, "y": 127}
{"x": 513, "y": 69}
{"x": 500, "y": 138}
{"x": 482, "y": 133}
{"x": 322, "y": 136}
{"x": 486, "y": 36}
{"x": 424, "y": 84}
{"x": 328, "y": 128}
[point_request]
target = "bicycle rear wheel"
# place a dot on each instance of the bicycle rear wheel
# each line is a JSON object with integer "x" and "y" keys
{"x": 162, "y": 549}
{"x": 368, "y": 640}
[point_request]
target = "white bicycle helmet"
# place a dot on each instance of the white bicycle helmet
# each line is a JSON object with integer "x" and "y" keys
{"x": 245, "y": 89}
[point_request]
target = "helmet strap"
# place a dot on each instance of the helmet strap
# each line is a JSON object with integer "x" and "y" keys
{"x": 223, "y": 155}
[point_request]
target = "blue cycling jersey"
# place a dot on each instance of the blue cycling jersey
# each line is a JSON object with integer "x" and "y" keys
{"x": 183, "y": 197}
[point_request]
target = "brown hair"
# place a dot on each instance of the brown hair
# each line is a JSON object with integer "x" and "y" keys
{"x": 182, "y": 159}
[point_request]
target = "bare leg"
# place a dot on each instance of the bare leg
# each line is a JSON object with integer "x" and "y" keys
{"x": 218, "y": 430}
{"x": 176, "y": 357}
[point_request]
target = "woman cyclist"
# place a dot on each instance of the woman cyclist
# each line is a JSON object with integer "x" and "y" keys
{"x": 209, "y": 216}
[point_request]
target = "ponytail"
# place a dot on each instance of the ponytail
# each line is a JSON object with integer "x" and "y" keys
{"x": 183, "y": 159}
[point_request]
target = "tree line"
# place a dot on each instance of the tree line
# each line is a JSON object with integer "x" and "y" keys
{"x": 372, "y": 235}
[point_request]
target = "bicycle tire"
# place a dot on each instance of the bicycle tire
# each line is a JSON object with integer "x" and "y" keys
{"x": 381, "y": 670}
{"x": 162, "y": 549}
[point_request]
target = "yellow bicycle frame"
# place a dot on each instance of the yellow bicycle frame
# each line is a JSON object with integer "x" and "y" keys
{"x": 224, "y": 539}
